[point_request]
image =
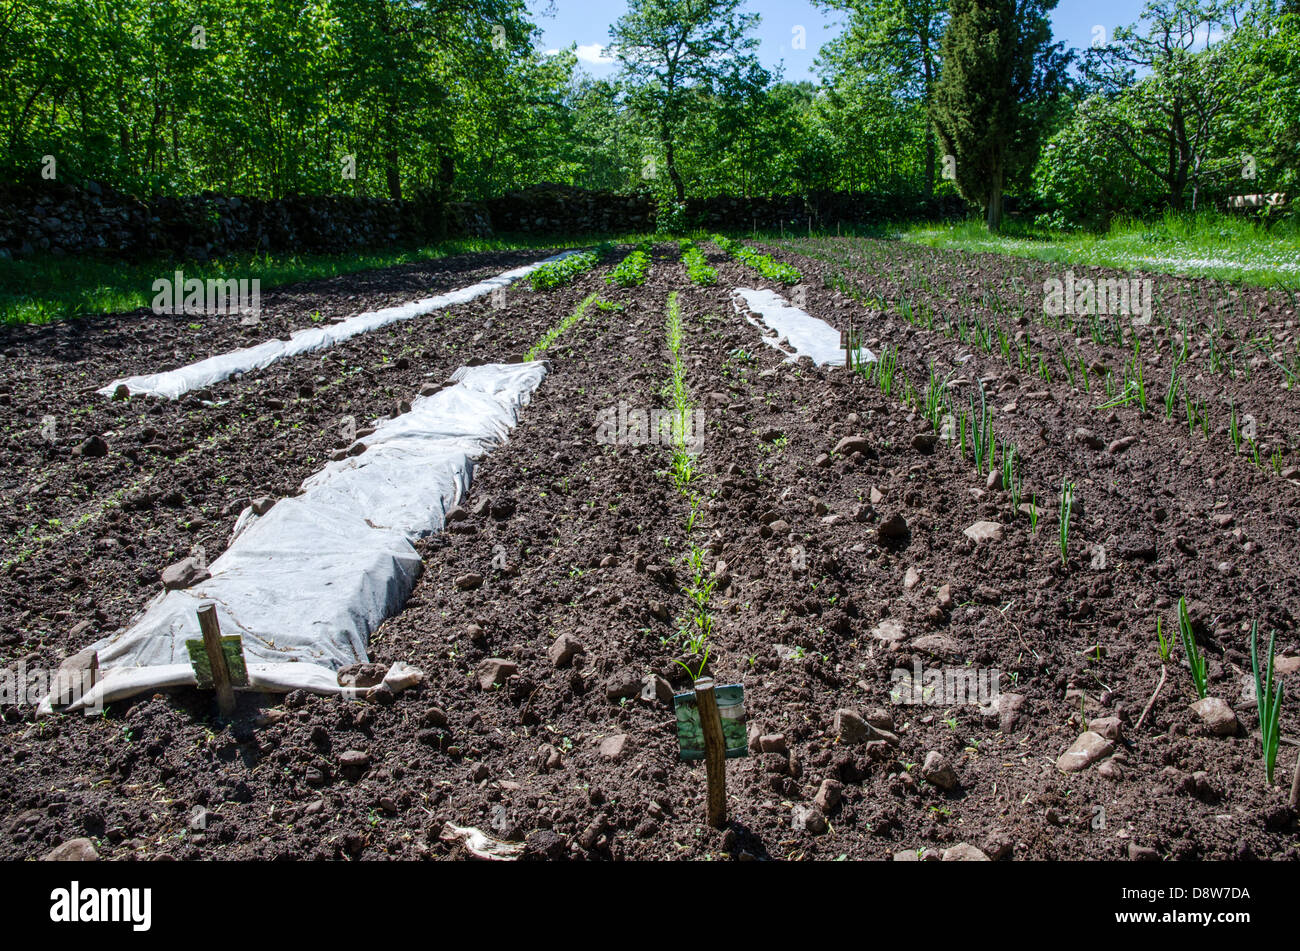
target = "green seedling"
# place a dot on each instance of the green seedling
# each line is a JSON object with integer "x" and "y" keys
{"x": 1164, "y": 645}
{"x": 1268, "y": 700}
{"x": 632, "y": 270}
{"x": 1067, "y": 507}
{"x": 1195, "y": 656}
{"x": 699, "y": 671}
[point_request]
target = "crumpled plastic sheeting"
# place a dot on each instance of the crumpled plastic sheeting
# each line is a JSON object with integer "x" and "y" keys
{"x": 807, "y": 336}
{"x": 307, "y": 583}
{"x": 173, "y": 384}
{"x": 478, "y": 844}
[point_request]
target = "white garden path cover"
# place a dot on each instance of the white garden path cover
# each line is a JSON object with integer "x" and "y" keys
{"x": 307, "y": 583}
{"x": 806, "y": 336}
{"x": 173, "y": 384}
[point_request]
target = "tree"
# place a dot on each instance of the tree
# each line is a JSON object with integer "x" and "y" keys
{"x": 998, "y": 62}
{"x": 1170, "y": 119}
{"x": 898, "y": 39}
{"x": 1220, "y": 119}
{"x": 671, "y": 49}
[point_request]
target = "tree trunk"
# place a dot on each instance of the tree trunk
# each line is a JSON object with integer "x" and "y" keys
{"x": 670, "y": 159}
{"x": 929, "y": 164}
{"x": 446, "y": 178}
{"x": 929, "y": 124}
{"x": 391, "y": 173}
{"x": 993, "y": 218}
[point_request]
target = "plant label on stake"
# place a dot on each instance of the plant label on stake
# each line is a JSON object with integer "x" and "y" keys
{"x": 731, "y": 709}
{"x": 703, "y": 730}
{"x": 850, "y": 341}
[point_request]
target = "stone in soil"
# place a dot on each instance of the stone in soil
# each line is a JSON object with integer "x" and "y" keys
{"x": 828, "y": 795}
{"x": 184, "y": 574}
{"x": 494, "y": 671}
{"x": 654, "y": 687}
{"x": 808, "y": 819}
{"x": 984, "y": 532}
{"x": 851, "y": 727}
{"x": 1087, "y": 749}
{"x": 893, "y": 528}
{"x": 93, "y": 447}
{"x": 890, "y": 631}
{"x": 1009, "y": 706}
{"x": 1217, "y": 716}
{"x": 74, "y": 850}
{"x": 563, "y": 649}
{"x": 625, "y": 685}
{"x": 1109, "y": 727}
{"x": 964, "y": 852}
{"x": 937, "y": 771}
{"x": 851, "y": 444}
{"x": 614, "y": 747}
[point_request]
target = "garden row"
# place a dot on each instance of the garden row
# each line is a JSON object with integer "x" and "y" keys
{"x": 812, "y": 533}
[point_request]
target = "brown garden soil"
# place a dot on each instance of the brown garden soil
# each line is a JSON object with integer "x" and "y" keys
{"x": 814, "y": 607}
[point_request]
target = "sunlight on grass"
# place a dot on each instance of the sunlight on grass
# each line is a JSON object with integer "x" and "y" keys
{"x": 42, "y": 289}
{"x": 1232, "y": 249}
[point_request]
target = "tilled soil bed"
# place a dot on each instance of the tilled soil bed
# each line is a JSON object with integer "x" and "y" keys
{"x": 547, "y": 617}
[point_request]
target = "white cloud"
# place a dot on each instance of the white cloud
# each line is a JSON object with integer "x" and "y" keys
{"x": 1206, "y": 35}
{"x": 593, "y": 53}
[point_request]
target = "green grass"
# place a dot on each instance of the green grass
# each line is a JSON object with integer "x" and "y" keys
{"x": 41, "y": 289}
{"x": 1205, "y": 245}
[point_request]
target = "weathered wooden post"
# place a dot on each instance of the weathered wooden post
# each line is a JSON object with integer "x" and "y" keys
{"x": 848, "y": 342}
{"x": 1295, "y": 784}
{"x": 715, "y": 751}
{"x": 221, "y": 680}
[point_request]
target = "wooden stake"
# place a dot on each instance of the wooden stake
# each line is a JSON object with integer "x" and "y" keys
{"x": 217, "y": 659}
{"x": 1295, "y": 784}
{"x": 715, "y": 751}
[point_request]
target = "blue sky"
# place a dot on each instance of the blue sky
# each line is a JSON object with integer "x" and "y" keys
{"x": 586, "y": 23}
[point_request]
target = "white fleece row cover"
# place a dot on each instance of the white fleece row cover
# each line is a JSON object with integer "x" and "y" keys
{"x": 806, "y": 335}
{"x": 307, "y": 583}
{"x": 173, "y": 384}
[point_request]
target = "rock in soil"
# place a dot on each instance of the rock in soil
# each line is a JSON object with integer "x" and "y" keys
{"x": 1087, "y": 749}
{"x": 74, "y": 850}
{"x": 494, "y": 671}
{"x": 1217, "y": 716}
{"x": 563, "y": 649}
{"x": 937, "y": 771}
{"x": 184, "y": 574}
{"x": 964, "y": 852}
